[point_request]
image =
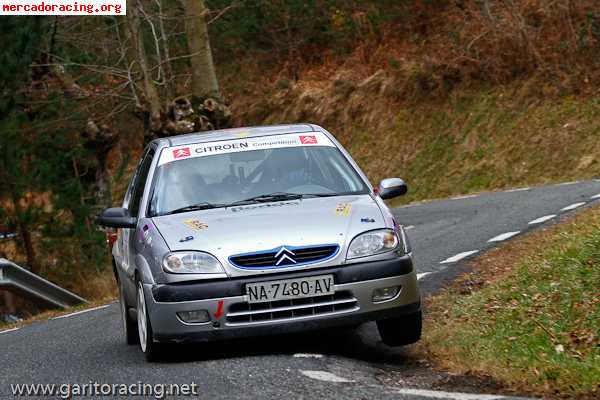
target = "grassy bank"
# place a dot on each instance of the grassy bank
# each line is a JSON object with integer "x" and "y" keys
{"x": 529, "y": 314}
{"x": 469, "y": 140}
{"x": 485, "y": 140}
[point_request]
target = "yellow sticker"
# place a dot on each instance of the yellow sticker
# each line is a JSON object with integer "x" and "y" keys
{"x": 195, "y": 224}
{"x": 242, "y": 134}
{"x": 343, "y": 209}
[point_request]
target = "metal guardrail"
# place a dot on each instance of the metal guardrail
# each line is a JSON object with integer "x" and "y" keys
{"x": 35, "y": 288}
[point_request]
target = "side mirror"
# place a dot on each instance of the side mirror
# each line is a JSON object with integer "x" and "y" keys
{"x": 392, "y": 187}
{"x": 116, "y": 218}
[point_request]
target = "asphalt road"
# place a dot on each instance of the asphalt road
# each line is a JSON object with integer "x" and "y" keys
{"x": 89, "y": 347}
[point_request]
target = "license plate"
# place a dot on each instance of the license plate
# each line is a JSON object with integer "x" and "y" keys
{"x": 290, "y": 289}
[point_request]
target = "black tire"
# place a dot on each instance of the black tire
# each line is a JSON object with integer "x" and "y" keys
{"x": 151, "y": 349}
{"x": 402, "y": 330}
{"x": 132, "y": 335}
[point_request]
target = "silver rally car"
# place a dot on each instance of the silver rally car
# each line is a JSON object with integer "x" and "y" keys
{"x": 253, "y": 231}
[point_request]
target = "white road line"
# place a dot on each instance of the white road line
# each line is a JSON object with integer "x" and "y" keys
{"x": 568, "y": 183}
{"x": 409, "y": 227}
{"x": 458, "y": 257}
{"x": 542, "y": 219}
{"x": 422, "y": 275}
{"x": 572, "y": 206}
{"x": 81, "y": 312}
{"x": 503, "y": 236}
{"x": 9, "y": 330}
{"x": 307, "y": 355}
{"x": 467, "y": 196}
{"x": 434, "y": 394}
{"x": 517, "y": 190}
{"x": 596, "y": 196}
{"x": 325, "y": 376}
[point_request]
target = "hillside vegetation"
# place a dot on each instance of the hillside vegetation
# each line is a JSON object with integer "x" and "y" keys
{"x": 453, "y": 96}
{"x": 475, "y": 139}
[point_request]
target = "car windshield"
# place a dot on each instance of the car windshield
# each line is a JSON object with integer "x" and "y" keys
{"x": 251, "y": 176}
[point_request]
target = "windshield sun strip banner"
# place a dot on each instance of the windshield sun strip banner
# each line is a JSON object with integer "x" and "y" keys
{"x": 183, "y": 152}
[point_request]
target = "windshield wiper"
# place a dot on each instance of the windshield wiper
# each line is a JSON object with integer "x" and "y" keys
{"x": 322, "y": 194}
{"x": 196, "y": 207}
{"x": 264, "y": 198}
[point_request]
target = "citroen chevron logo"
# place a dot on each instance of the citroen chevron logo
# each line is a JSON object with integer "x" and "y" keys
{"x": 180, "y": 153}
{"x": 284, "y": 254}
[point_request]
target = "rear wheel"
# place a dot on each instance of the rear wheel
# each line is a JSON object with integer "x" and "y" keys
{"x": 401, "y": 331}
{"x": 150, "y": 348}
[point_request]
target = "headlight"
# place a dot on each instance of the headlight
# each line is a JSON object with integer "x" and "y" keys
{"x": 192, "y": 262}
{"x": 371, "y": 243}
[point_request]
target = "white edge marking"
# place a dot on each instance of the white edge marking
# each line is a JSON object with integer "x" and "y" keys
{"x": 9, "y": 330}
{"x": 409, "y": 227}
{"x": 503, "y": 236}
{"x": 466, "y": 196}
{"x": 433, "y": 394}
{"x": 572, "y": 206}
{"x": 568, "y": 183}
{"x": 422, "y": 275}
{"x": 458, "y": 257}
{"x": 517, "y": 190}
{"x": 307, "y": 355}
{"x": 542, "y": 219}
{"x": 325, "y": 376}
{"x": 81, "y": 312}
{"x": 596, "y": 196}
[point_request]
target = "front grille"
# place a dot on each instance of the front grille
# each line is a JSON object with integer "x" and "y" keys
{"x": 285, "y": 256}
{"x": 256, "y": 313}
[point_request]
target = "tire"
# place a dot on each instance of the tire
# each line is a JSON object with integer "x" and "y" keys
{"x": 150, "y": 348}
{"x": 129, "y": 324}
{"x": 401, "y": 331}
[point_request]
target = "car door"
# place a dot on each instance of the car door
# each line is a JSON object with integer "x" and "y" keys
{"x": 133, "y": 204}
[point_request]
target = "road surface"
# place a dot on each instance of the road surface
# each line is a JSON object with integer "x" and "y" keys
{"x": 88, "y": 346}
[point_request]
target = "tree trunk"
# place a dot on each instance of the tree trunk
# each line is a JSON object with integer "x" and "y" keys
{"x": 150, "y": 93}
{"x": 25, "y": 235}
{"x": 204, "y": 76}
{"x": 167, "y": 54}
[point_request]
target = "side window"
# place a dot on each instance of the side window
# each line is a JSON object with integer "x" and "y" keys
{"x": 127, "y": 198}
{"x": 141, "y": 176}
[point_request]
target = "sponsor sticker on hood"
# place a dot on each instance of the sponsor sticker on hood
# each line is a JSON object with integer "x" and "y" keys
{"x": 343, "y": 209}
{"x": 243, "y": 144}
{"x": 195, "y": 224}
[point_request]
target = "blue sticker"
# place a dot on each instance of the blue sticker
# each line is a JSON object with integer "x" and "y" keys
{"x": 186, "y": 239}
{"x": 367, "y": 220}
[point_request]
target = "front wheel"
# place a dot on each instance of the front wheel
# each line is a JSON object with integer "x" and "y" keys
{"x": 401, "y": 331}
{"x": 149, "y": 347}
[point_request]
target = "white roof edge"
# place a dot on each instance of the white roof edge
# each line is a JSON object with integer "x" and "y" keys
{"x": 252, "y": 131}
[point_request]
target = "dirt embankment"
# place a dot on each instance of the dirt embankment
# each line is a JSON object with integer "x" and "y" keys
{"x": 471, "y": 139}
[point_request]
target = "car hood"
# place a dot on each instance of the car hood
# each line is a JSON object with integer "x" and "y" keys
{"x": 229, "y": 231}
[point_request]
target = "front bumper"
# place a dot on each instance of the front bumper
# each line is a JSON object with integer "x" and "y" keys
{"x": 352, "y": 304}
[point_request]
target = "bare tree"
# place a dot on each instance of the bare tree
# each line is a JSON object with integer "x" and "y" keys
{"x": 150, "y": 95}
{"x": 204, "y": 76}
